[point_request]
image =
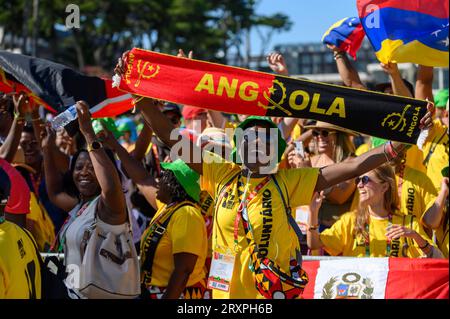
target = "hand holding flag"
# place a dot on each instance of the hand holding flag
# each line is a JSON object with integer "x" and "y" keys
{"x": 345, "y": 35}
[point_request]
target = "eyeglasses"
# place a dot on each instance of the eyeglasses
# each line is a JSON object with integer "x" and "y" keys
{"x": 364, "y": 179}
{"x": 324, "y": 133}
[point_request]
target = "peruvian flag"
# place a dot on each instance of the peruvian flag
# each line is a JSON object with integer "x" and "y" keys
{"x": 377, "y": 278}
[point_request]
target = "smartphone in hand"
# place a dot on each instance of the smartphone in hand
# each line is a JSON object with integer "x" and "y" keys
{"x": 299, "y": 149}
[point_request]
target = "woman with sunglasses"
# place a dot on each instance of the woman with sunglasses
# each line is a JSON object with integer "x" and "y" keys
{"x": 375, "y": 229}
{"x": 332, "y": 146}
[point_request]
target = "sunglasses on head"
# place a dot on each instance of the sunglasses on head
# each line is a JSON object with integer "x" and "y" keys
{"x": 324, "y": 133}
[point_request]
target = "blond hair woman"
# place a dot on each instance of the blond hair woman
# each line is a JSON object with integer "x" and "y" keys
{"x": 374, "y": 229}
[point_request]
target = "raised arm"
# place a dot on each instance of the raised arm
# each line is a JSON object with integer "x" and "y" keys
{"x": 312, "y": 236}
{"x": 54, "y": 178}
{"x": 287, "y": 125}
{"x": 424, "y": 83}
{"x": 348, "y": 73}
{"x": 277, "y": 64}
{"x": 133, "y": 168}
{"x": 142, "y": 143}
{"x": 9, "y": 148}
{"x": 160, "y": 124}
{"x": 432, "y": 218}
{"x": 111, "y": 207}
{"x": 398, "y": 86}
{"x": 353, "y": 167}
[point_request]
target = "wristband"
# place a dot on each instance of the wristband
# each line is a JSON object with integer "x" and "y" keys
{"x": 426, "y": 245}
{"x": 316, "y": 227}
{"x": 390, "y": 150}
{"x": 338, "y": 54}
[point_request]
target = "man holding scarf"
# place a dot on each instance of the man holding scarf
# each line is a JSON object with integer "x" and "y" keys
{"x": 252, "y": 196}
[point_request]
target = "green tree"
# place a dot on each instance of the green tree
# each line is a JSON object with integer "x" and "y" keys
{"x": 107, "y": 28}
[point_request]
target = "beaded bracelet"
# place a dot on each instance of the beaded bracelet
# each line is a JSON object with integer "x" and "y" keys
{"x": 386, "y": 153}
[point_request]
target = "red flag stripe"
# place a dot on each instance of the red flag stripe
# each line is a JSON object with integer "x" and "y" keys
{"x": 418, "y": 279}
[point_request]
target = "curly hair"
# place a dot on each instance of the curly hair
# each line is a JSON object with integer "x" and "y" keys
{"x": 177, "y": 192}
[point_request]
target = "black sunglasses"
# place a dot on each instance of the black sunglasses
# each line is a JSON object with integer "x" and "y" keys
{"x": 324, "y": 133}
{"x": 364, "y": 179}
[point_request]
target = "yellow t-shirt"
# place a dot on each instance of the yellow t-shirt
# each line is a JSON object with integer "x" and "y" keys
{"x": 363, "y": 148}
{"x": 418, "y": 193}
{"x": 340, "y": 239}
{"x": 435, "y": 153}
{"x": 441, "y": 235}
{"x": 273, "y": 234}
{"x": 20, "y": 271}
{"x": 40, "y": 224}
{"x": 414, "y": 159}
{"x": 186, "y": 233}
{"x": 206, "y": 203}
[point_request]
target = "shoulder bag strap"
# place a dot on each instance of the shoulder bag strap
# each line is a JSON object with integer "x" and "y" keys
{"x": 291, "y": 220}
{"x": 155, "y": 238}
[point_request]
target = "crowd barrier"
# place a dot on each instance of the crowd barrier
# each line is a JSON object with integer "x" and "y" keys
{"x": 372, "y": 278}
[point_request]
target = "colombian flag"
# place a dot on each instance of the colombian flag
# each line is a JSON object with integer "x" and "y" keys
{"x": 346, "y": 34}
{"x": 413, "y": 31}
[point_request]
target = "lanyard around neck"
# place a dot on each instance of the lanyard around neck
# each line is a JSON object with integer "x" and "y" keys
{"x": 367, "y": 240}
{"x": 65, "y": 227}
{"x": 243, "y": 203}
{"x": 401, "y": 180}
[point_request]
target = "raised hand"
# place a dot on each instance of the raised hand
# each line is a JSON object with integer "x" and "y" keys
{"x": 120, "y": 66}
{"x": 295, "y": 160}
{"x": 334, "y": 48}
{"x": 84, "y": 119}
{"x": 390, "y": 68}
{"x": 22, "y": 104}
{"x": 316, "y": 202}
{"x": 427, "y": 121}
{"x": 181, "y": 54}
{"x": 48, "y": 137}
{"x": 277, "y": 64}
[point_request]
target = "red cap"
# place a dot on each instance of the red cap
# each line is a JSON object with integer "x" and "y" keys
{"x": 190, "y": 112}
{"x": 19, "y": 198}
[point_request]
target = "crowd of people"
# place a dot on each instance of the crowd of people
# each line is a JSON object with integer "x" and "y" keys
{"x": 118, "y": 189}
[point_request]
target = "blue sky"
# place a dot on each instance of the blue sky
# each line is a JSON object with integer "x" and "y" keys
{"x": 311, "y": 18}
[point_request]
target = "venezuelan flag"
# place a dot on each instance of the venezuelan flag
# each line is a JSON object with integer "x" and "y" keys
{"x": 413, "y": 31}
{"x": 346, "y": 34}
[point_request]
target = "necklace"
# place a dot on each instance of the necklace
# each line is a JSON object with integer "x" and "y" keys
{"x": 367, "y": 240}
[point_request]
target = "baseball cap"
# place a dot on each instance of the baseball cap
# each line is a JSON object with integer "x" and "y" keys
{"x": 441, "y": 98}
{"x": 190, "y": 112}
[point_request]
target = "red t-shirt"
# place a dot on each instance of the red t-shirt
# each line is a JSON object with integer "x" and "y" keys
{"x": 19, "y": 198}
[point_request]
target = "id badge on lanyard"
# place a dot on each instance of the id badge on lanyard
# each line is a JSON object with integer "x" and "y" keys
{"x": 221, "y": 273}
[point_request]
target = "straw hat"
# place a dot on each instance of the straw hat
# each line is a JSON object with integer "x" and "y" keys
{"x": 331, "y": 127}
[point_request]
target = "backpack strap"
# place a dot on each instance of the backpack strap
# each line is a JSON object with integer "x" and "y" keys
{"x": 156, "y": 236}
